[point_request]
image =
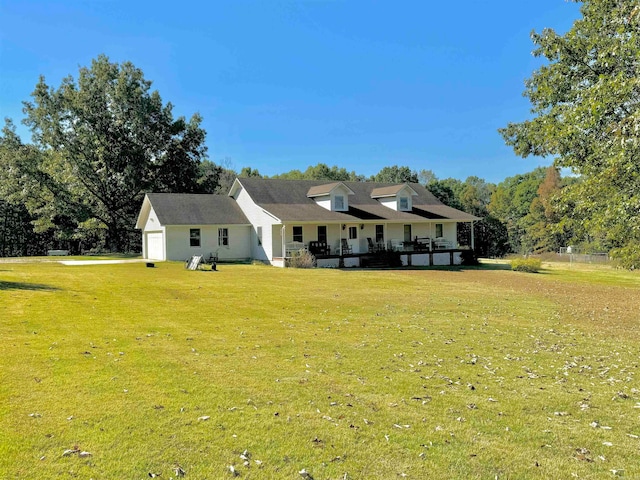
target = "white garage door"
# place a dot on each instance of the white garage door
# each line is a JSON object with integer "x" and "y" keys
{"x": 154, "y": 246}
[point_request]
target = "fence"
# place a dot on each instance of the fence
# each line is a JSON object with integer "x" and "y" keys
{"x": 601, "y": 258}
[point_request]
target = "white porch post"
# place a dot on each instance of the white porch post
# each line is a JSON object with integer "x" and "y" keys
{"x": 431, "y": 236}
{"x": 284, "y": 241}
{"x": 473, "y": 243}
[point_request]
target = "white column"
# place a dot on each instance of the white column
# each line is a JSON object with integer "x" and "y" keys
{"x": 473, "y": 243}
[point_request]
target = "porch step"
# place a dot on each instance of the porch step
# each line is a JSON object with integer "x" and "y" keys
{"x": 374, "y": 261}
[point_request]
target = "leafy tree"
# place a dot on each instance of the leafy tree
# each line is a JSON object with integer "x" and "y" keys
{"x": 249, "y": 172}
{"x": 105, "y": 140}
{"x": 586, "y": 106}
{"x": 18, "y": 237}
{"x": 427, "y": 177}
{"x": 395, "y": 174}
{"x": 543, "y": 231}
{"x": 446, "y": 191}
{"x": 511, "y": 202}
{"x": 321, "y": 171}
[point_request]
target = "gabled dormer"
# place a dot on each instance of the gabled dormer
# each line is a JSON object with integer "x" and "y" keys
{"x": 395, "y": 197}
{"x": 332, "y": 196}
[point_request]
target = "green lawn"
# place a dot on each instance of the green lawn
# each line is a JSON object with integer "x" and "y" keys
{"x": 442, "y": 373}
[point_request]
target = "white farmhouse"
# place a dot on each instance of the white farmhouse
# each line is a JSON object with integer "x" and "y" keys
{"x": 342, "y": 223}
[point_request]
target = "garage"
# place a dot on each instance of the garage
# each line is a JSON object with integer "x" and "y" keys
{"x": 154, "y": 246}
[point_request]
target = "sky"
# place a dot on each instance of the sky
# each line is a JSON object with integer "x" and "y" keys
{"x": 283, "y": 85}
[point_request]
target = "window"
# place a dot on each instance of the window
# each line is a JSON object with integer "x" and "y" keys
{"x": 339, "y": 202}
{"x": 322, "y": 233}
{"x": 194, "y": 237}
{"x": 297, "y": 234}
{"x": 404, "y": 203}
{"x": 439, "y": 230}
{"x": 407, "y": 233}
{"x": 353, "y": 232}
{"x": 379, "y": 234}
{"x": 259, "y": 233}
{"x": 223, "y": 237}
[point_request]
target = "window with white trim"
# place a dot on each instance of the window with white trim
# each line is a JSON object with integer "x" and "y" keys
{"x": 404, "y": 203}
{"x": 223, "y": 237}
{"x": 353, "y": 233}
{"x": 194, "y": 237}
{"x": 297, "y": 233}
{"x": 322, "y": 233}
{"x": 339, "y": 202}
{"x": 439, "y": 228}
{"x": 379, "y": 233}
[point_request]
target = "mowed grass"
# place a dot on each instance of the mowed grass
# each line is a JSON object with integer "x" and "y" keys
{"x": 461, "y": 373}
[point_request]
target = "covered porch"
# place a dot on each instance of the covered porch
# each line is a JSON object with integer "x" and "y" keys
{"x": 366, "y": 243}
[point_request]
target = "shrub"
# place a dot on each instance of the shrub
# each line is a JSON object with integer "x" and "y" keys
{"x": 468, "y": 257}
{"x": 302, "y": 259}
{"x": 530, "y": 265}
{"x": 628, "y": 256}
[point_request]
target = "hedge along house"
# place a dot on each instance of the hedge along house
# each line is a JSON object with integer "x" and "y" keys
{"x": 340, "y": 222}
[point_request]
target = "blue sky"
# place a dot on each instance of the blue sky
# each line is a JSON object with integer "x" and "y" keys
{"x": 288, "y": 84}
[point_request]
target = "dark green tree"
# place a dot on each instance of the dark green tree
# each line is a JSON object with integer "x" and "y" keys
{"x": 511, "y": 202}
{"x": 105, "y": 140}
{"x": 396, "y": 174}
{"x": 321, "y": 171}
{"x": 586, "y": 113}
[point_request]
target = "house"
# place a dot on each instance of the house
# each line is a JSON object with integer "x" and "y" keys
{"x": 269, "y": 219}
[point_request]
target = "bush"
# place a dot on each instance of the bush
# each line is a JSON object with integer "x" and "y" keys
{"x": 302, "y": 259}
{"x": 530, "y": 265}
{"x": 468, "y": 257}
{"x": 628, "y": 256}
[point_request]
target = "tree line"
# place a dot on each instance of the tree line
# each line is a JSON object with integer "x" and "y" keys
{"x": 103, "y": 140}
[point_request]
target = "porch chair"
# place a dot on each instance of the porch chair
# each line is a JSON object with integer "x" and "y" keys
{"x": 346, "y": 248}
{"x": 372, "y": 246}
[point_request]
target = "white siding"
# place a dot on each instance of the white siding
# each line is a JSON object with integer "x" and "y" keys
{"x": 257, "y": 216}
{"x": 178, "y": 245}
{"x": 324, "y": 201}
{"x": 389, "y": 202}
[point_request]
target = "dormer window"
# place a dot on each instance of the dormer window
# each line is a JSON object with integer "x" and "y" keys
{"x": 395, "y": 197}
{"x": 332, "y": 196}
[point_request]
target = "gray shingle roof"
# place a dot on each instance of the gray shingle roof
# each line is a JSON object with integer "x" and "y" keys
{"x": 196, "y": 209}
{"x": 387, "y": 191}
{"x": 288, "y": 201}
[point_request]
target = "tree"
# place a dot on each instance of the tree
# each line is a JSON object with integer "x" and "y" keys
{"x": 511, "y": 202}
{"x": 105, "y": 140}
{"x": 396, "y": 174}
{"x": 586, "y": 107}
{"x": 543, "y": 231}
{"x": 17, "y": 235}
{"x": 321, "y": 171}
{"x": 249, "y": 172}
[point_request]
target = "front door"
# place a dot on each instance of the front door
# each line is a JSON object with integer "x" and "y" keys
{"x": 322, "y": 233}
{"x": 407, "y": 233}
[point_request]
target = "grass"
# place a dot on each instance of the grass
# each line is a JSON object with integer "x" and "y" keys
{"x": 428, "y": 373}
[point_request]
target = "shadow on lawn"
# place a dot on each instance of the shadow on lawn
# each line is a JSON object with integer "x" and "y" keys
{"x": 26, "y": 286}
